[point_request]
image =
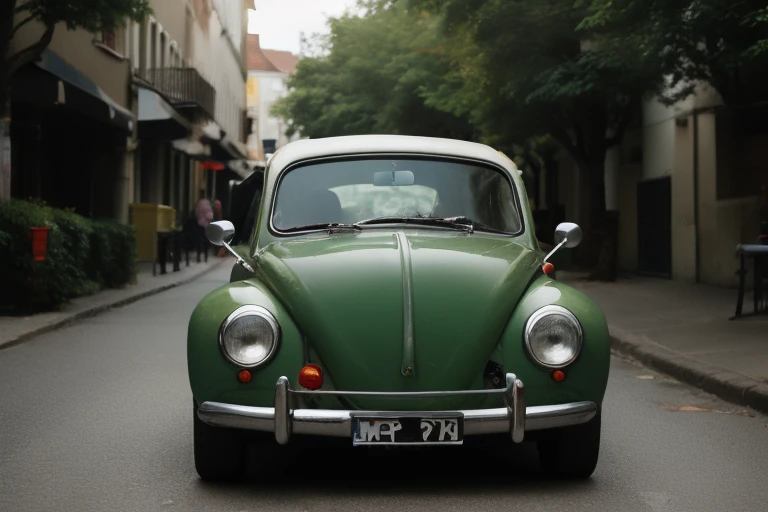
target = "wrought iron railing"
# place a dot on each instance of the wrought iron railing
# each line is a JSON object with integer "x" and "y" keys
{"x": 183, "y": 86}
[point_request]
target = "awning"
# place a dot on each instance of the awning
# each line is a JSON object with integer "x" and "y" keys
{"x": 158, "y": 119}
{"x": 226, "y": 150}
{"x": 193, "y": 148}
{"x": 223, "y": 148}
{"x": 61, "y": 84}
{"x": 212, "y": 131}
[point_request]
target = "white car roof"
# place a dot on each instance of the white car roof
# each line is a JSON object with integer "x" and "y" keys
{"x": 356, "y": 144}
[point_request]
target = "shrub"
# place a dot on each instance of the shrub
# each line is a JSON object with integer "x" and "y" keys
{"x": 72, "y": 256}
{"x": 83, "y": 256}
{"x": 114, "y": 253}
{"x": 20, "y": 277}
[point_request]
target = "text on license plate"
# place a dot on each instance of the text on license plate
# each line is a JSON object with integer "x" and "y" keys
{"x": 408, "y": 430}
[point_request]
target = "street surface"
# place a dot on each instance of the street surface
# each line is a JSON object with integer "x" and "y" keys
{"x": 98, "y": 416}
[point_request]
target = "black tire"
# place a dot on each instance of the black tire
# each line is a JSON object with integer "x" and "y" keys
{"x": 572, "y": 452}
{"x": 219, "y": 452}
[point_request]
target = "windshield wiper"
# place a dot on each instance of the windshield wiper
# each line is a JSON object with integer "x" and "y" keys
{"x": 327, "y": 226}
{"x": 462, "y": 223}
{"x": 474, "y": 224}
{"x": 426, "y": 221}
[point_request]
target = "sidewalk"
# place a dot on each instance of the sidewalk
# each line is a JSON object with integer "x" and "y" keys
{"x": 14, "y": 330}
{"x": 683, "y": 330}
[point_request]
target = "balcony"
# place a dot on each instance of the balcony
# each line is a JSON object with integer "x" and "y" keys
{"x": 186, "y": 89}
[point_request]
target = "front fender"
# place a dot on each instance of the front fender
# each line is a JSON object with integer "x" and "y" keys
{"x": 587, "y": 377}
{"x": 211, "y": 376}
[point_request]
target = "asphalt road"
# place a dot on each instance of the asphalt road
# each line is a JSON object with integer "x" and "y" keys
{"x": 97, "y": 416}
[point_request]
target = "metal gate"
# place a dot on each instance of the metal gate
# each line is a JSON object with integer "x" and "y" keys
{"x": 654, "y": 227}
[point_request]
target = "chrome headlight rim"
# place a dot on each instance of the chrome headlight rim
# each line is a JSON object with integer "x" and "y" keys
{"x": 538, "y": 315}
{"x": 250, "y": 310}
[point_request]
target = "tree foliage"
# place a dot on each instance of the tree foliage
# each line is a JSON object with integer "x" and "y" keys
{"x": 720, "y": 42}
{"x": 531, "y": 68}
{"x": 370, "y": 76}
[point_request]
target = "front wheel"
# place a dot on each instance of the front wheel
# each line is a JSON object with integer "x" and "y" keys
{"x": 573, "y": 451}
{"x": 219, "y": 452}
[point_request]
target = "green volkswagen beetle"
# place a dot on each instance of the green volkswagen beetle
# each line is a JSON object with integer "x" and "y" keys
{"x": 391, "y": 291}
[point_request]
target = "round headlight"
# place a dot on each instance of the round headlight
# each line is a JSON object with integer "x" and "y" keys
{"x": 249, "y": 336}
{"x": 553, "y": 337}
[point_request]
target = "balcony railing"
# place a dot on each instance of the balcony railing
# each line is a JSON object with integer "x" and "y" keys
{"x": 183, "y": 87}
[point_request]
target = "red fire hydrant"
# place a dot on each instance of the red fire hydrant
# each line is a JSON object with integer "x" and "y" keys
{"x": 39, "y": 243}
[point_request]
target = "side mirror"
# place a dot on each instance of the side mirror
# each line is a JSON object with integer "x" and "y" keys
{"x": 569, "y": 233}
{"x": 220, "y": 232}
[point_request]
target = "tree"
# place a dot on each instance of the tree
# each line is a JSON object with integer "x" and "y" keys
{"x": 534, "y": 67}
{"x": 91, "y": 15}
{"x": 368, "y": 76}
{"x": 720, "y": 42}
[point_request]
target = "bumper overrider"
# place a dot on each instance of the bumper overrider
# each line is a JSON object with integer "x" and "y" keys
{"x": 514, "y": 419}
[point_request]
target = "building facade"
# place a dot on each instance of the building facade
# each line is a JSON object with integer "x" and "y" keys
{"x": 153, "y": 112}
{"x": 268, "y": 73}
{"x": 688, "y": 185}
{"x": 188, "y": 61}
{"x": 72, "y": 125}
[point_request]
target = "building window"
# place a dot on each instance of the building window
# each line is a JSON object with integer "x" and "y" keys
{"x": 112, "y": 42}
{"x": 108, "y": 39}
{"x": 128, "y": 41}
{"x": 153, "y": 46}
{"x": 136, "y": 45}
{"x": 163, "y": 44}
{"x": 175, "y": 57}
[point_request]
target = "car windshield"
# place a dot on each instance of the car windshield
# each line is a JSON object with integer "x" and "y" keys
{"x": 355, "y": 191}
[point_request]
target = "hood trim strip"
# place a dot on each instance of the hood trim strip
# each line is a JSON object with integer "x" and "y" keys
{"x": 409, "y": 364}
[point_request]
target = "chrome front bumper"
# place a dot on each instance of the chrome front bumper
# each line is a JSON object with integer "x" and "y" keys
{"x": 514, "y": 419}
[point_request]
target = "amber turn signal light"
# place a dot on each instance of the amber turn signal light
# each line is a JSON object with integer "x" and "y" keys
{"x": 244, "y": 376}
{"x": 558, "y": 376}
{"x": 311, "y": 377}
{"x": 548, "y": 268}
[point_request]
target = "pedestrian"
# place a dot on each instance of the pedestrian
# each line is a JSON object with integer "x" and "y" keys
{"x": 219, "y": 215}
{"x": 204, "y": 216}
{"x": 218, "y": 211}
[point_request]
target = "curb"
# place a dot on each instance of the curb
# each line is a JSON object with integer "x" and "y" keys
{"x": 730, "y": 386}
{"x": 101, "y": 308}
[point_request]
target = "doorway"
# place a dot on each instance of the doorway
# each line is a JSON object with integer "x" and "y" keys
{"x": 654, "y": 227}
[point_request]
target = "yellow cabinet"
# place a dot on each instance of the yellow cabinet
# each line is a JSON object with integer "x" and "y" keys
{"x": 149, "y": 220}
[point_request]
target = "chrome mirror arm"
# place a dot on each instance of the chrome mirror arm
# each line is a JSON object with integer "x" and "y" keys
{"x": 240, "y": 261}
{"x": 558, "y": 246}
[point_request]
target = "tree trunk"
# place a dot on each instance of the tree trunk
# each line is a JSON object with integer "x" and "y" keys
{"x": 588, "y": 149}
{"x": 602, "y": 232}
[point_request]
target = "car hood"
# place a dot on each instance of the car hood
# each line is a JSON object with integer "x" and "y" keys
{"x": 359, "y": 299}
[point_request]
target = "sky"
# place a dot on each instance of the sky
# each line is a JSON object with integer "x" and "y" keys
{"x": 280, "y": 22}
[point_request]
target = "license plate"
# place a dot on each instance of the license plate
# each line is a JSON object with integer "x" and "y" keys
{"x": 441, "y": 429}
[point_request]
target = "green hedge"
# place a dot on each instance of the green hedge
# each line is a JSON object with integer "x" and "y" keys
{"x": 83, "y": 256}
